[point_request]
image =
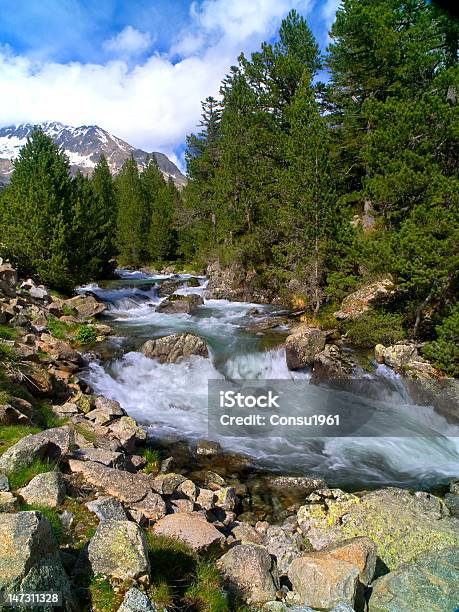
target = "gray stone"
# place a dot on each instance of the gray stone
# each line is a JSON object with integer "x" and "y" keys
{"x": 29, "y": 558}
{"x": 119, "y": 549}
{"x": 284, "y": 545}
{"x": 432, "y": 583}
{"x": 208, "y": 448}
{"x": 46, "y": 489}
{"x": 129, "y": 434}
{"x": 452, "y": 502}
{"x": 111, "y": 408}
{"x": 322, "y": 581}
{"x": 8, "y": 502}
{"x": 250, "y": 572}
{"x": 226, "y": 498}
{"x": 51, "y": 444}
{"x": 86, "y": 306}
{"x": 173, "y": 348}
{"x": 358, "y": 303}
{"x": 166, "y": 484}
{"x": 4, "y": 484}
{"x": 192, "y": 529}
{"x": 107, "y": 508}
{"x": 180, "y": 304}
{"x": 302, "y": 346}
{"x": 100, "y": 455}
{"x": 136, "y": 601}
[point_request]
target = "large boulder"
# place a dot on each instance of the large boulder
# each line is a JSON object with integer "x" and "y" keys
{"x": 168, "y": 287}
{"x": 51, "y": 444}
{"x": 119, "y": 549}
{"x": 358, "y": 303}
{"x": 46, "y": 489}
{"x": 191, "y": 528}
{"x": 170, "y": 349}
{"x": 134, "y": 490}
{"x": 284, "y": 543}
{"x": 302, "y": 346}
{"x": 29, "y": 558}
{"x": 8, "y": 279}
{"x": 86, "y": 306}
{"x": 235, "y": 283}
{"x": 250, "y": 572}
{"x": 432, "y": 583}
{"x": 180, "y": 304}
{"x": 107, "y": 508}
{"x": 321, "y": 581}
{"x": 402, "y": 525}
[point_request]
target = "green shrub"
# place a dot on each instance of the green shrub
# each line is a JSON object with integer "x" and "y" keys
{"x": 59, "y": 329}
{"x": 153, "y": 459}
{"x": 85, "y": 334}
{"x": 374, "y": 327}
{"x": 444, "y": 351}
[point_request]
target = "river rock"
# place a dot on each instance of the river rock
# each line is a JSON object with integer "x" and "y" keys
{"x": 8, "y": 502}
{"x": 119, "y": 549}
{"x": 358, "y": 303}
{"x": 136, "y": 601}
{"x": 192, "y": 529}
{"x": 46, "y": 489}
{"x": 129, "y": 434}
{"x": 173, "y": 348}
{"x": 101, "y": 455}
{"x": 361, "y": 552}
{"x": 131, "y": 489}
{"x": 333, "y": 363}
{"x": 168, "y": 287}
{"x": 432, "y": 583}
{"x": 401, "y": 524}
{"x": 452, "y": 503}
{"x": 226, "y": 498}
{"x": 302, "y": 346}
{"x": 51, "y": 444}
{"x": 29, "y": 558}
{"x": 245, "y": 533}
{"x": 86, "y": 306}
{"x": 404, "y": 358}
{"x": 8, "y": 280}
{"x": 166, "y": 484}
{"x": 107, "y": 508}
{"x": 110, "y": 408}
{"x": 250, "y": 572}
{"x": 180, "y": 304}
{"x": 322, "y": 581}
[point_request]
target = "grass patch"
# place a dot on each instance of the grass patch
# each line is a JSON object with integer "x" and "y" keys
{"x": 7, "y": 354}
{"x": 161, "y": 594}
{"x": 49, "y": 418}
{"x": 60, "y": 329}
{"x": 68, "y": 311}
{"x": 52, "y": 517}
{"x": 10, "y": 434}
{"x": 7, "y": 333}
{"x": 23, "y": 475}
{"x": 173, "y": 564}
{"x": 86, "y": 433}
{"x": 205, "y": 592}
{"x": 153, "y": 459}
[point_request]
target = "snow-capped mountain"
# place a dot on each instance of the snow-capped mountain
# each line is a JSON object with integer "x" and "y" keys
{"x": 83, "y": 146}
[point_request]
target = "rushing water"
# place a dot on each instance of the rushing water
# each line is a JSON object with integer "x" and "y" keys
{"x": 172, "y": 398}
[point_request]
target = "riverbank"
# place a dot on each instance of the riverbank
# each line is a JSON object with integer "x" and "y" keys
{"x": 149, "y": 520}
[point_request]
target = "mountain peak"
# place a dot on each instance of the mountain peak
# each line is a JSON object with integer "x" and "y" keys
{"x": 83, "y": 146}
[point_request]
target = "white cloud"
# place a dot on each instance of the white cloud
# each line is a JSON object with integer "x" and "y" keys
{"x": 152, "y": 105}
{"x": 128, "y": 42}
{"x": 329, "y": 11}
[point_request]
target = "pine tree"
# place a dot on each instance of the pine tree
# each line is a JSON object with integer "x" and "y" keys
{"x": 104, "y": 211}
{"x": 37, "y": 210}
{"x": 133, "y": 220}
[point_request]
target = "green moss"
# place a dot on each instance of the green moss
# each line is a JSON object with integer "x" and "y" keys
{"x": 20, "y": 477}
{"x": 85, "y": 334}
{"x": 10, "y": 434}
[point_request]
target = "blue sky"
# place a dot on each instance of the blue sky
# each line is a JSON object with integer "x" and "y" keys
{"x": 138, "y": 68}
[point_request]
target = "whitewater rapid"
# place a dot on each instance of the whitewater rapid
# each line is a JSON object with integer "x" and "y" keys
{"x": 171, "y": 399}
